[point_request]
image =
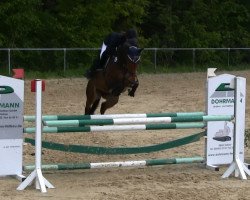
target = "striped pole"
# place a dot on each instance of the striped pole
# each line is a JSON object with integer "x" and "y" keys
{"x": 118, "y": 164}
{"x": 112, "y": 116}
{"x": 118, "y": 127}
{"x": 117, "y": 121}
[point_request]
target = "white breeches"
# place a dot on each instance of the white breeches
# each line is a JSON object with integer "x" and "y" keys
{"x": 104, "y": 46}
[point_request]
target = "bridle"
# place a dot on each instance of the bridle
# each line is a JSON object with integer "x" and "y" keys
{"x": 131, "y": 51}
{"x": 134, "y": 57}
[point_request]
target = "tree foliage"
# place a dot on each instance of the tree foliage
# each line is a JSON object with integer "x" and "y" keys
{"x": 84, "y": 23}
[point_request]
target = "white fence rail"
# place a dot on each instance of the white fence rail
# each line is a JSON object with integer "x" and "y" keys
{"x": 154, "y": 51}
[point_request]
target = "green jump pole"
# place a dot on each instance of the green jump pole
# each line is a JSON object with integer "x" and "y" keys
{"x": 120, "y": 121}
{"x": 112, "y": 116}
{"x": 118, "y": 127}
{"x": 100, "y": 165}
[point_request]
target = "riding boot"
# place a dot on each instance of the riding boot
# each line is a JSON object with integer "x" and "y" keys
{"x": 103, "y": 60}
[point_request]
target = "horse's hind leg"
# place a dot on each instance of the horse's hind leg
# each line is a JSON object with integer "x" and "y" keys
{"x": 110, "y": 102}
{"x": 94, "y": 106}
{"x": 93, "y": 99}
{"x": 91, "y": 105}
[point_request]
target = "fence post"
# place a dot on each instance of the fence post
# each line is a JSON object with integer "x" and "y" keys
{"x": 194, "y": 59}
{"x": 64, "y": 60}
{"x": 155, "y": 58}
{"x": 9, "y": 60}
{"x": 228, "y": 54}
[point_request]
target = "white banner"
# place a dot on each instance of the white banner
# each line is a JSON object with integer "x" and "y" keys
{"x": 11, "y": 125}
{"x": 220, "y": 101}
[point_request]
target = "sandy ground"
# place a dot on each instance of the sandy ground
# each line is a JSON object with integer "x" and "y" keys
{"x": 156, "y": 93}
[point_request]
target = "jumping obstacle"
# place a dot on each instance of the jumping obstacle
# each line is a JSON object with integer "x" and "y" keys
{"x": 31, "y": 118}
{"x": 100, "y": 165}
{"x": 222, "y": 87}
{"x": 119, "y": 121}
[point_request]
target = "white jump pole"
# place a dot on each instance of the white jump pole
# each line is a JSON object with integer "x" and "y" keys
{"x": 237, "y": 165}
{"x": 37, "y": 175}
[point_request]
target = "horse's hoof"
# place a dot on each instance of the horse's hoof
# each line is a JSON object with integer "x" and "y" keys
{"x": 33, "y": 154}
{"x": 132, "y": 94}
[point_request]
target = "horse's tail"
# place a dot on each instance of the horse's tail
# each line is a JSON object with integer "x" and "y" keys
{"x": 88, "y": 74}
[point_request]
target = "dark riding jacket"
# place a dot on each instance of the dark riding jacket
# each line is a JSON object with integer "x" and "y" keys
{"x": 112, "y": 41}
{"x": 115, "y": 39}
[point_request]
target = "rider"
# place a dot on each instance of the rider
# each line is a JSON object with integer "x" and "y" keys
{"x": 109, "y": 46}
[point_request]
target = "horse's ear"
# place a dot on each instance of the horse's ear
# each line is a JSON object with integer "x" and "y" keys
{"x": 140, "y": 50}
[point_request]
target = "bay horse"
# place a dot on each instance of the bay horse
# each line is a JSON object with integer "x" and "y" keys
{"x": 119, "y": 74}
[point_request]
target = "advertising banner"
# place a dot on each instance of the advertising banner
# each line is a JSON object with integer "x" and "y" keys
{"x": 11, "y": 125}
{"x": 220, "y": 101}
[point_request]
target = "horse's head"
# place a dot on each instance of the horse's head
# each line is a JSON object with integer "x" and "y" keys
{"x": 130, "y": 56}
{"x": 132, "y": 61}
{"x": 134, "y": 56}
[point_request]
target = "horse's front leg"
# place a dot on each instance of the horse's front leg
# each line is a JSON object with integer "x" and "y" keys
{"x": 131, "y": 92}
{"x": 116, "y": 91}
